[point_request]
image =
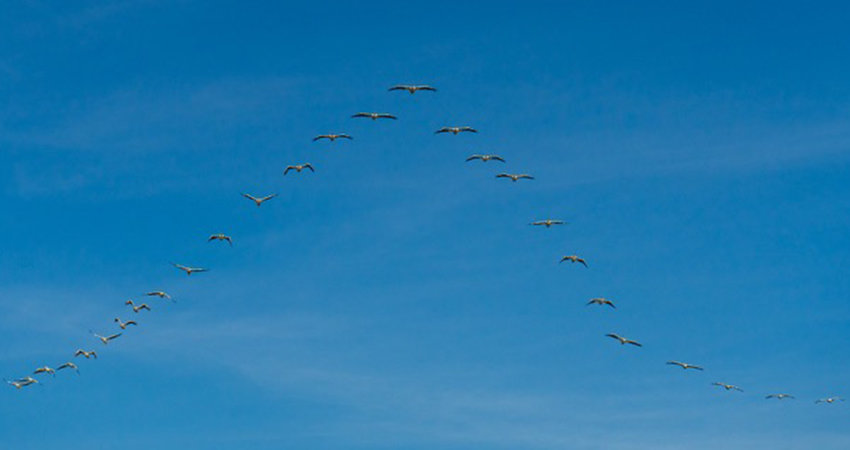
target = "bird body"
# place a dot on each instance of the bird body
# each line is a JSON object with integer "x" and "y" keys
{"x": 515, "y": 176}
{"x": 623, "y": 341}
{"x": 456, "y": 130}
{"x": 299, "y": 167}
{"x": 601, "y": 301}
{"x": 485, "y": 158}
{"x": 189, "y": 270}
{"x": 574, "y": 259}
{"x": 374, "y": 115}
{"x": 123, "y": 325}
{"x": 332, "y": 137}
{"x": 412, "y": 88}
{"x": 259, "y": 200}
{"x": 547, "y": 223}
{"x": 220, "y": 237}
{"x": 684, "y": 365}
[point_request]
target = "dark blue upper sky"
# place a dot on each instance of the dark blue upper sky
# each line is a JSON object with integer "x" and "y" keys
{"x": 397, "y": 298}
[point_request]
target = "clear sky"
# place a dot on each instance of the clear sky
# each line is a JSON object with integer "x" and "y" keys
{"x": 397, "y": 297}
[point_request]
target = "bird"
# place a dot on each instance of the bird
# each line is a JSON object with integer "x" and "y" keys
{"x": 45, "y": 369}
{"x": 515, "y": 177}
{"x": 22, "y": 382}
{"x": 829, "y": 400}
{"x": 728, "y": 387}
{"x": 299, "y": 167}
{"x": 374, "y": 115}
{"x": 623, "y": 341}
{"x": 456, "y": 130}
{"x": 601, "y": 301}
{"x": 160, "y": 294}
{"x": 780, "y": 396}
{"x": 105, "y": 339}
{"x": 574, "y": 259}
{"x": 123, "y": 325}
{"x": 412, "y": 88}
{"x": 68, "y": 365}
{"x": 87, "y": 355}
{"x": 221, "y": 237}
{"x": 485, "y": 158}
{"x": 684, "y": 365}
{"x": 332, "y": 136}
{"x": 547, "y": 223}
{"x": 259, "y": 200}
{"x": 187, "y": 269}
{"x": 138, "y": 308}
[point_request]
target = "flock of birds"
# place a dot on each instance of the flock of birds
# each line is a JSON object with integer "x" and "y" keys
{"x": 29, "y": 380}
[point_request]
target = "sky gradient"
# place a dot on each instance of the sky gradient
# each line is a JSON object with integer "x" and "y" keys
{"x": 397, "y": 297}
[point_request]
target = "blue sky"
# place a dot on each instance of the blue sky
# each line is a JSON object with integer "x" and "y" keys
{"x": 397, "y": 297}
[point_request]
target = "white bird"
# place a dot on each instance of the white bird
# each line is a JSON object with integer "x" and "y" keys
{"x": 221, "y": 237}
{"x": 456, "y": 130}
{"x": 685, "y": 366}
{"x": 299, "y": 167}
{"x": 485, "y": 158}
{"x": 412, "y": 88}
{"x": 136, "y": 309}
{"x": 574, "y": 259}
{"x": 623, "y": 341}
{"x": 601, "y": 301}
{"x": 45, "y": 369}
{"x": 780, "y": 396}
{"x": 728, "y": 387}
{"x": 160, "y": 294}
{"x": 332, "y": 137}
{"x": 22, "y": 382}
{"x": 259, "y": 200}
{"x": 829, "y": 400}
{"x": 515, "y": 177}
{"x": 87, "y": 355}
{"x": 68, "y": 365}
{"x": 375, "y": 116}
{"x": 547, "y": 223}
{"x": 105, "y": 339}
{"x": 123, "y": 325}
{"x": 189, "y": 270}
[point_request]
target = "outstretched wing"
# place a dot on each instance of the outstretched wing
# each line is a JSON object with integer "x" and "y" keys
{"x": 426, "y": 88}
{"x": 468, "y": 129}
{"x": 362, "y": 114}
{"x": 474, "y": 157}
{"x": 309, "y": 166}
{"x": 497, "y": 158}
{"x": 321, "y": 136}
{"x": 399, "y": 87}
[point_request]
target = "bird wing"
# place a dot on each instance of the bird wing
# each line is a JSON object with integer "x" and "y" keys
{"x": 426, "y": 88}
{"x": 321, "y": 136}
{"x": 362, "y": 114}
{"x": 503, "y": 175}
{"x": 114, "y": 336}
{"x": 131, "y": 322}
{"x": 442, "y": 130}
{"x": 387, "y": 116}
{"x": 399, "y": 87}
{"x": 309, "y": 166}
{"x": 635, "y": 343}
{"x": 497, "y": 158}
{"x": 474, "y": 157}
{"x": 268, "y": 197}
{"x": 250, "y": 197}
{"x": 469, "y": 129}
{"x": 288, "y": 168}
{"x": 525, "y": 176}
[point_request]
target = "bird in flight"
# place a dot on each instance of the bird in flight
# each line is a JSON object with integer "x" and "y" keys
{"x": 728, "y": 387}
{"x": 68, "y": 365}
{"x": 187, "y": 269}
{"x": 220, "y": 237}
{"x": 136, "y": 309}
{"x": 601, "y": 301}
{"x": 515, "y": 177}
{"x": 624, "y": 341}
{"x": 780, "y": 396}
{"x": 22, "y": 382}
{"x": 684, "y": 365}
{"x": 45, "y": 369}
{"x": 299, "y": 167}
{"x": 547, "y": 223}
{"x": 829, "y": 400}
{"x": 485, "y": 158}
{"x": 105, "y": 339}
{"x": 123, "y": 325}
{"x": 259, "y": 200}
{"x": 456, "y": 130}
{"x": 412, "y": 88}
{"x": 87, "y": 355}
{"x": 574, "y": 259}
{"x": 375, "y": 116}
{"x": 332, "y": 137}
{"x": 160, "y": 294}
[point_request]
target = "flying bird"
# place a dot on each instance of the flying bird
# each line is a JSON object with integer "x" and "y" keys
{"x": 601, "y": 301}
{"x": 136, "y": 309}
{"x": 780, "y": 396}
{"x": 574, "y": 259}
{"x": 87, "y": 355}
{"x": 160, "y": 294}
{"x": 728, "y": 387}
{"x": 515, "y": 177}
{"x": 485, "y": 158}
{"x": 374, "y": 115}
{"x": 68, "y": 365}
{"x": 221, "y": 237}
{"x": 412, "y": 88}
{"x": 547, "y": 223}
{"x": 123, "y": 325}
{"x": 829, "y": 400}
{"x": 456, "y": 130}
{"x": 22, "y": 382}
{"x": 623, "y": 341}
{"x": 187, "y": 269}
{"x": 684, "y": 365}
{"x": 332, "y": 137}
{"x": 105, "y": 339}
{"x": 259, "y": 200}
{"x": 299, "y": 167}
{"x": 45, "y": 369}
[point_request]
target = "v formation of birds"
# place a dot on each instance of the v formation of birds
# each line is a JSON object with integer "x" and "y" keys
{"x": 143, "y": 308}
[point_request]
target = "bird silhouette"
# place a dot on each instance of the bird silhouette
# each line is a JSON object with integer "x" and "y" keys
{"x": 456, "y": 130}
{"x": 299, "y": 167}
{"x": 259, "y": 200}
{"x": 601, "y": 301}
{"x": 189, "y": 270}
{"x": 374, "y": 115}
{"x": 485, "y": 158}
{"x": 574, "y": 259}
{"x": 623, "y": 341}
{"x": 412, "y": 88}
{"x": 515, "y": 176}
{"x": 332, "y": 137}
{"x": 685, "y": 366}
